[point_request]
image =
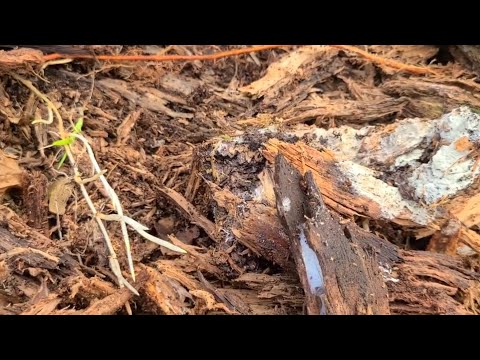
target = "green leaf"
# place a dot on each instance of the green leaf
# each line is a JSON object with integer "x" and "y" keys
{"x": 62, "y": 160}
{"x": 78, "y": 126}
{"x": 63, "y": 142}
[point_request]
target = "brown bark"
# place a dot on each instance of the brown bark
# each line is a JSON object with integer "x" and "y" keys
{"x": 338, "y": 276}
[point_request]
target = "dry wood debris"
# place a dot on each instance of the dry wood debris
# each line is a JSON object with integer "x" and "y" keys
{"x": 317, "y": 179}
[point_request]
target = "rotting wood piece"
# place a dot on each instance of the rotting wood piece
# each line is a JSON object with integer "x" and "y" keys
{"x": 337, "y": 275}
{"x": 418, "y": 282}
{"x": 257, "y": 227}
{"x": 34, "y": 196}
{"x": 290, "y": 79}
{"x": 112, "y": 303}
{"x": 353, "y": 189}
{"x": 262, "y": 233}
{"x": 10, "y": 173}
{"x": 421, "y": 282}
{"x": 431, "y": 99}
{"x": 148, "y": 98}
{"x": 352, "y": 111}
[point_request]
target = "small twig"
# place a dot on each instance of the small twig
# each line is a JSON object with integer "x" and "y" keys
{"x": 128, "y": 308}
{"x": 92, "y": 178}
{"x": 387, "y": 62}
{"x": 21, "y": 250}
{"x": 215, "y": 56}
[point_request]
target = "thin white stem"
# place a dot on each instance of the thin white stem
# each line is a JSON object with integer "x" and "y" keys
{"x": 129, "y": 221}
{"x": 114, "y": 265}
{"x": 41, "y": 121}
{"x": 141, "y": 230}
{"x": 115, "y": 201}
{"x": 160, "y": 241}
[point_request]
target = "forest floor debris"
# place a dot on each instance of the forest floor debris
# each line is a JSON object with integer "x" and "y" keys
{"x": 384, "y": 142}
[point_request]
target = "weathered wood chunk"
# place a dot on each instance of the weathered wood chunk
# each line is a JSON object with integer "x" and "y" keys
{"x": 338, "y": 276}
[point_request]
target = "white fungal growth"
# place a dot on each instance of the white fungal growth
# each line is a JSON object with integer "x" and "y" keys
{"x": 450, "y": 170}
{"x": 387, "y": 274}
{"x": 459, "y": 122}
{"x": 447, "y": 173}
{"x": 401, "y": 144}
{"x": 272, "y": 129}
{"x": 344, "y": 141}
{"x": 286, "y": 204}
{"x": 408, "y": 158}
{"x": 392, "y": 204}
{"x": 258, "y": 193}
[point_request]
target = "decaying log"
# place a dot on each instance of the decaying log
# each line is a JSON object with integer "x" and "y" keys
{"x": 342, "y": 187}
{"x": 418, "y": 282}
{"x": 403, "y": 173}
{"x": 345, "y": 270}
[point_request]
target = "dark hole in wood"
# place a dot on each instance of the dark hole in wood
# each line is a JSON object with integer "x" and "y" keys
{"x": 347, "y": 233}
{"x": 16, "y": 195}
{"x": 443, "y": 56}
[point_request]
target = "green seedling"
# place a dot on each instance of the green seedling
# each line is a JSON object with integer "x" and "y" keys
{"x": 226, "y": 137}
{"x": 77, "y": 129}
